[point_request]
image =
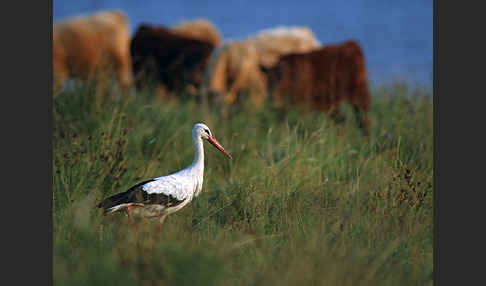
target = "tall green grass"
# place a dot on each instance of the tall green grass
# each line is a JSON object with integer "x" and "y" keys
{"x": 304, "y": 201}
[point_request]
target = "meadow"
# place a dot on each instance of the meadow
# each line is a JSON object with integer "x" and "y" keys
{"x": 305, "y": 201}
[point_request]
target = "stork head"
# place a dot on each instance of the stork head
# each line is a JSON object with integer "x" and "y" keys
{"x": 202, "y": 131}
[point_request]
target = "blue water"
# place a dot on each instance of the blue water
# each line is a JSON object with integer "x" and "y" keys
{"x": 396, "y": 36}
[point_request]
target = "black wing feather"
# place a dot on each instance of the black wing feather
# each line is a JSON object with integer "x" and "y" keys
{"x": 133, "y": 195}
{"x": 137, "y": 195}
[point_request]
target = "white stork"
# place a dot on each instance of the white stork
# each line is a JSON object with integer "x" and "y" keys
{"x": 159, "y": 197}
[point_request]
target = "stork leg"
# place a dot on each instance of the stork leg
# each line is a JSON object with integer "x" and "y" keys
{"x": 159, "y": 227}
{"x": 161, "y": 222}
{"x": 127, "y": 211}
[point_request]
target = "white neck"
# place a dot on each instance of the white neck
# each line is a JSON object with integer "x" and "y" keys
{"x": 198, "y": 162}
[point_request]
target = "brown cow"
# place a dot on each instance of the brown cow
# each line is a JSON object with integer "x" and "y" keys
{"x": 88, "y": 44}
{"x": 159, "y": 54}
{"x": 323, "y": 79}
{"x": 199, "y": 29}
{"x": 234, "y": 67}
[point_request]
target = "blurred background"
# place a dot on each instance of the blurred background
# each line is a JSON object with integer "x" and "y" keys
{"x": 396, "y": 36}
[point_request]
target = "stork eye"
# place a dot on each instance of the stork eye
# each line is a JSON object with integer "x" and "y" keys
{"x": 207, "y": 131}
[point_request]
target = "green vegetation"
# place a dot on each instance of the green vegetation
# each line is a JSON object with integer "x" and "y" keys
{"x": 304, "y": 202}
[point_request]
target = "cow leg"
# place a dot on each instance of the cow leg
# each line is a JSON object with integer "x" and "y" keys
{"x": 60, "y": 76}
{"x": 361, "y": 102}
{"x": 242, "y": 81}
{"x": 258, "y": 90}
{"x": 337, "y": 116}
{"x": 362, "y": 118}
{"x": 124, "y": 74}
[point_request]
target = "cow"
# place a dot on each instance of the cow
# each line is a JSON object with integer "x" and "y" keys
{"x": 163, "y": 56}
{"x": 322, "y": 79}
{"x": 201, "y": 29}
{"x": 87, "y": 44}
{"x": 234, "y": 66}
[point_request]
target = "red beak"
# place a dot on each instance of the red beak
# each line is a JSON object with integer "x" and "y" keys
{"x": 216, "y": 144}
